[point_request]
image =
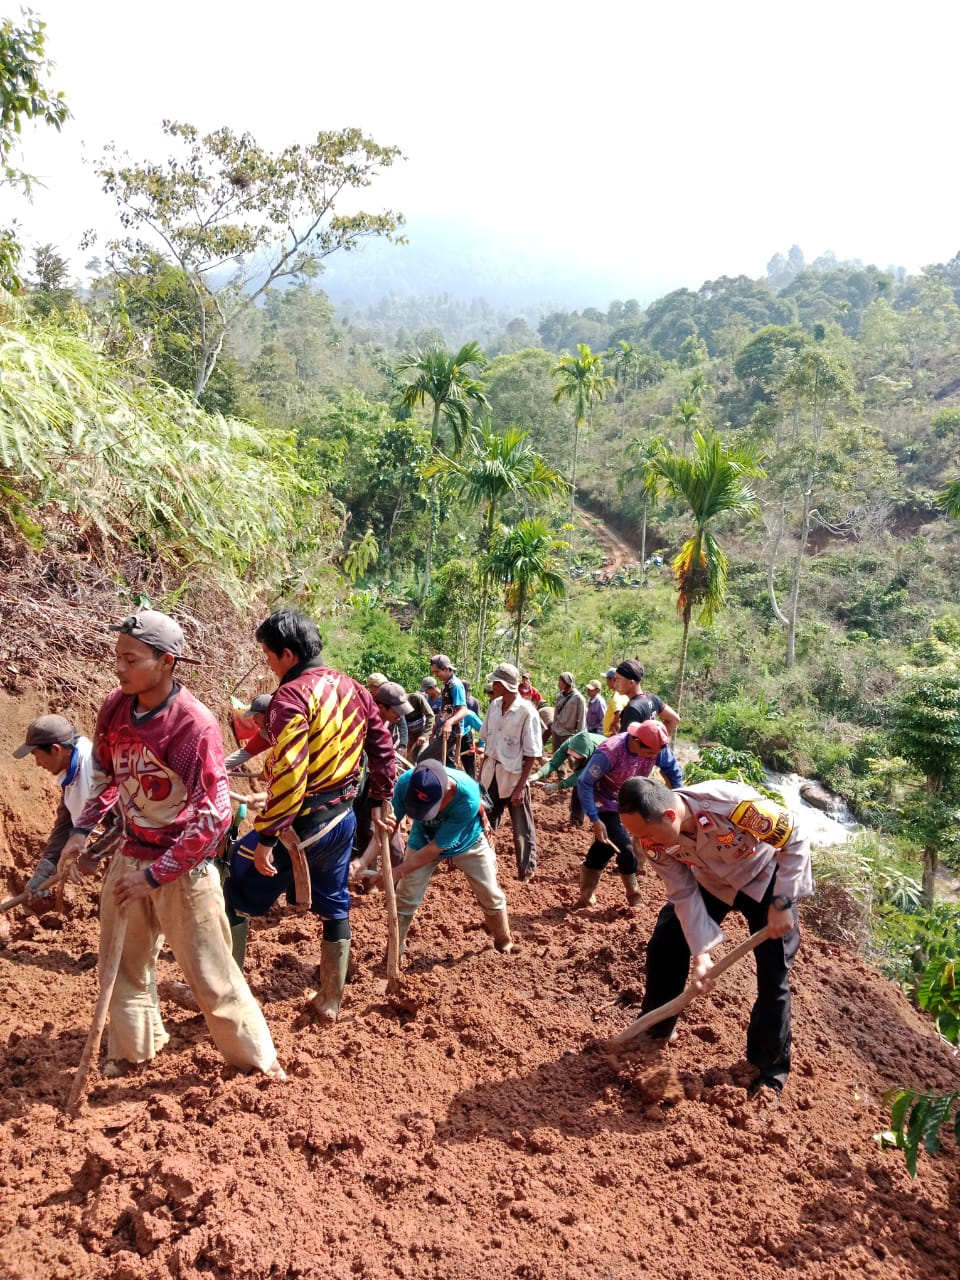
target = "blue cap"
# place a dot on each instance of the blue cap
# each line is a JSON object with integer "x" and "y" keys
{"x": 428, "y": 785}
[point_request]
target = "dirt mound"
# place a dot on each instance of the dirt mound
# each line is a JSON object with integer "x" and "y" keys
{"x": 473, "y": 1129}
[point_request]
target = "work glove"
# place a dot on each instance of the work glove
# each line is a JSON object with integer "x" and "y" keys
{"x": 44, "y": 870}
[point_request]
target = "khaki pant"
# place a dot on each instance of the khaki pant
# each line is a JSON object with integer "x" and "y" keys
{"x": 478, "y": 864}
{"x": 189, "y": 913}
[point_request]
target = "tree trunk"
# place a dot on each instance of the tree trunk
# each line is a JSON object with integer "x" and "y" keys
{"x": 573, "y": 478}
{"x": 793, "y": 608}
{"x": 929, "y": 883}
{"x": 643, "y": 545}
{"x": 683, "y": 657}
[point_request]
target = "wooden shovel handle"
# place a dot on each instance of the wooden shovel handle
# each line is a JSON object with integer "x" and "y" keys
{"x": 22, "y": 897}
{"x": 393, "y": 925}
{"x": 108, "y": 978}
{"x": 669, "y": 1010}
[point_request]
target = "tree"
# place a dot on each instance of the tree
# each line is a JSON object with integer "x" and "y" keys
{"x": 811, "y": 453}
{"x": 714, "y": 482}
{"x": 492, "y": 468}
{"x": 926, "y": 733}
{"x": 236, "y": 218}
{"x": 523, "y": 559}
{"x": 447, "y": 379}
{"x": 23, "y": 96}
{"x": 627, "y": 361}
{"x": 580, "y": 379}
{"x": 642, "y": 474}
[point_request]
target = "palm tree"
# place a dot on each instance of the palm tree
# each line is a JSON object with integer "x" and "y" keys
{"x": 640, "y": 472}
{"x": 582, "y": 380}
{"x": 626, "y": 361}
{"x": 447, "y": 379}
{"x": 523, "y": 560}
{"x": 491, "y": 468}
{"x": 713, "y": 482}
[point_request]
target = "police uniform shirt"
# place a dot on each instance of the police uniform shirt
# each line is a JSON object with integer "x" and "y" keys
{"x": 741, "y": 837}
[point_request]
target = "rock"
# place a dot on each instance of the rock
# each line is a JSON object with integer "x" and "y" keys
{"x": 819, "y": 797}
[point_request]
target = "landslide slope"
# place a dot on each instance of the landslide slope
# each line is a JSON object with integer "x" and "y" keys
{"x": 472, "y": 1130}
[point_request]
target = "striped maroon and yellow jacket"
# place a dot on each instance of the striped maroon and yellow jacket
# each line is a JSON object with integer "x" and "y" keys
{"x": 321, "y": 722}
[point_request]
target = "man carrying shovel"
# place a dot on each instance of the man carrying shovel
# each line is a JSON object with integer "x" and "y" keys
{"x": 721, "y": 847}
{"x": 58, "y": 749}
{"x": 322, "y": 724}
{"x": 158, "y": 756}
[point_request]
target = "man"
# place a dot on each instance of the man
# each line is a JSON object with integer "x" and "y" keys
{"x": 57, "y": 749}
{"x": 468, "y": 743}
{"x": 576, "y": 751}
{"x": 615, "y": 704}
{"x": 253, "y": 744}
{"x": 596, "y": 708}
{"x": 640, "y": 706}
{"x": 721, "y": 847}
{"x": 431, "y": 691}
{"x": 448, "y": 826}
{"x": 453, "y": 707}
{"x": 321, "y": 723}
{"x": 528, "y": 691}
{"x": 569, "y": 710}
{"x": 158, "y": 755}
{"x": 627, "y": 755}
{"x": 512, "y": 744}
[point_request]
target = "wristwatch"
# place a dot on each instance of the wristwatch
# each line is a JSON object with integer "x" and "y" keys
{"x": 781, "y": 903}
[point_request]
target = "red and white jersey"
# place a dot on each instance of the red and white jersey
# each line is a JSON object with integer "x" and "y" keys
{"x": 165, "y": 771}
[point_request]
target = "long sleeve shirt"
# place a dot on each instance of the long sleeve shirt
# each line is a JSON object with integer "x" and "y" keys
{"x": 741, "y": 840}
{"x": 321, "y": 722}
{"x": 609, "y": 768}
{"x": 596, "y": 710}
{"x": 584, "y": 744}
{"x": 569, "y": 715}
{"x": 165, "y": 770}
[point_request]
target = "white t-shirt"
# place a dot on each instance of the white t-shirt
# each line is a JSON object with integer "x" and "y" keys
{"x": 77, "y": 790}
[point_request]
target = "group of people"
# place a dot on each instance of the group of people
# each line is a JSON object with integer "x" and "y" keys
{"x": 156, "y": 763}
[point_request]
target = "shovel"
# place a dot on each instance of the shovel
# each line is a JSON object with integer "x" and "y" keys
{"x": 393, "y": 925}
{"x": 108, "y": 978}
{"x": 625, "y": 1038}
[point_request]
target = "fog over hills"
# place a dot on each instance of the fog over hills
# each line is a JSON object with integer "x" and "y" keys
{"x": 443, "y": 257}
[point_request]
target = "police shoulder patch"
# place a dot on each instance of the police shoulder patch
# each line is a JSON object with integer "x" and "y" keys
{"x": 764, "y": 820}
{"x": 704, "y": 821}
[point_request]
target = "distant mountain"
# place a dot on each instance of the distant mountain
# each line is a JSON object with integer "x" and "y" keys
{"x": 444, "y": 258}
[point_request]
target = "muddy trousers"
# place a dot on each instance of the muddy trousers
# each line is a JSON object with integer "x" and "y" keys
{"x": 188, "y": 912}
{"x": 521, "y": 824}
{"x": 598, "y": 855}
{"x": 668, "y": 965}
{"x": 478, "y": 864}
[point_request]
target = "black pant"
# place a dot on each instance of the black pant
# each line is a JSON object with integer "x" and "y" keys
{"x": 668, "y": 964}
{"x": 598, "y": 855}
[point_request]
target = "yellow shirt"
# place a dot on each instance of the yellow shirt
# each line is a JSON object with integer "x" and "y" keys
{"x": 611, "y": 721}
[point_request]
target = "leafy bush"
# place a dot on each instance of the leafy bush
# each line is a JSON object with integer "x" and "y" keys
{"x": 929, "y": 1112}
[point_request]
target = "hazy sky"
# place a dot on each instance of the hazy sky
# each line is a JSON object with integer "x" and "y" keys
{"x": 672, "y": 143}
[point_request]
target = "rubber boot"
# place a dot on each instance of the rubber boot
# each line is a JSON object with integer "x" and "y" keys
{"x": 403, "y": 928}
{"x": 334, "y": 958}
{"x": 499, "y": 927}
{"x": 239, "y": 933}
{"x": 634, "y": 896}
{"x": 589, "y": 879}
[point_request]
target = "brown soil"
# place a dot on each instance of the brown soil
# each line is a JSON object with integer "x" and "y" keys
{"x": 474, "y": 1128}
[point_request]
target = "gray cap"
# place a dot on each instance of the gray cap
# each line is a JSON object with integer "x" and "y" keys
{"x": 393, "y": 695}
{"x": 260, "y": 705}
{"x": 611, "y": 673}
{"x": 156, "y": 629}
{"x": 507, "y": 675}
{"x": 48, "y": 731}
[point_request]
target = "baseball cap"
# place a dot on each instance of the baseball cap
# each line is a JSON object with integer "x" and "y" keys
{"x": 611, "y": 673}
{"x": 48, "y": 731}
{"x": 630, "y": 670}
{"x": 260, "y": 704}
{"x": 651, "y": 733}
{"x": 156, "y": 629}
{"x": 442, "y": 661}
{"x": 429, "y": 683}
{"x": 428, "y": 785}
{"x": 593, "y": 684}
{"x": 507, "y": 675}
{"x": 567, "y": 677}
{"x": 391, "y": 694}
{"x": 376, "y": 678}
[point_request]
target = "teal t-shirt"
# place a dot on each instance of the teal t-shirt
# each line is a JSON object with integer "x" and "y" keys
{"x": 457, "y": 828}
